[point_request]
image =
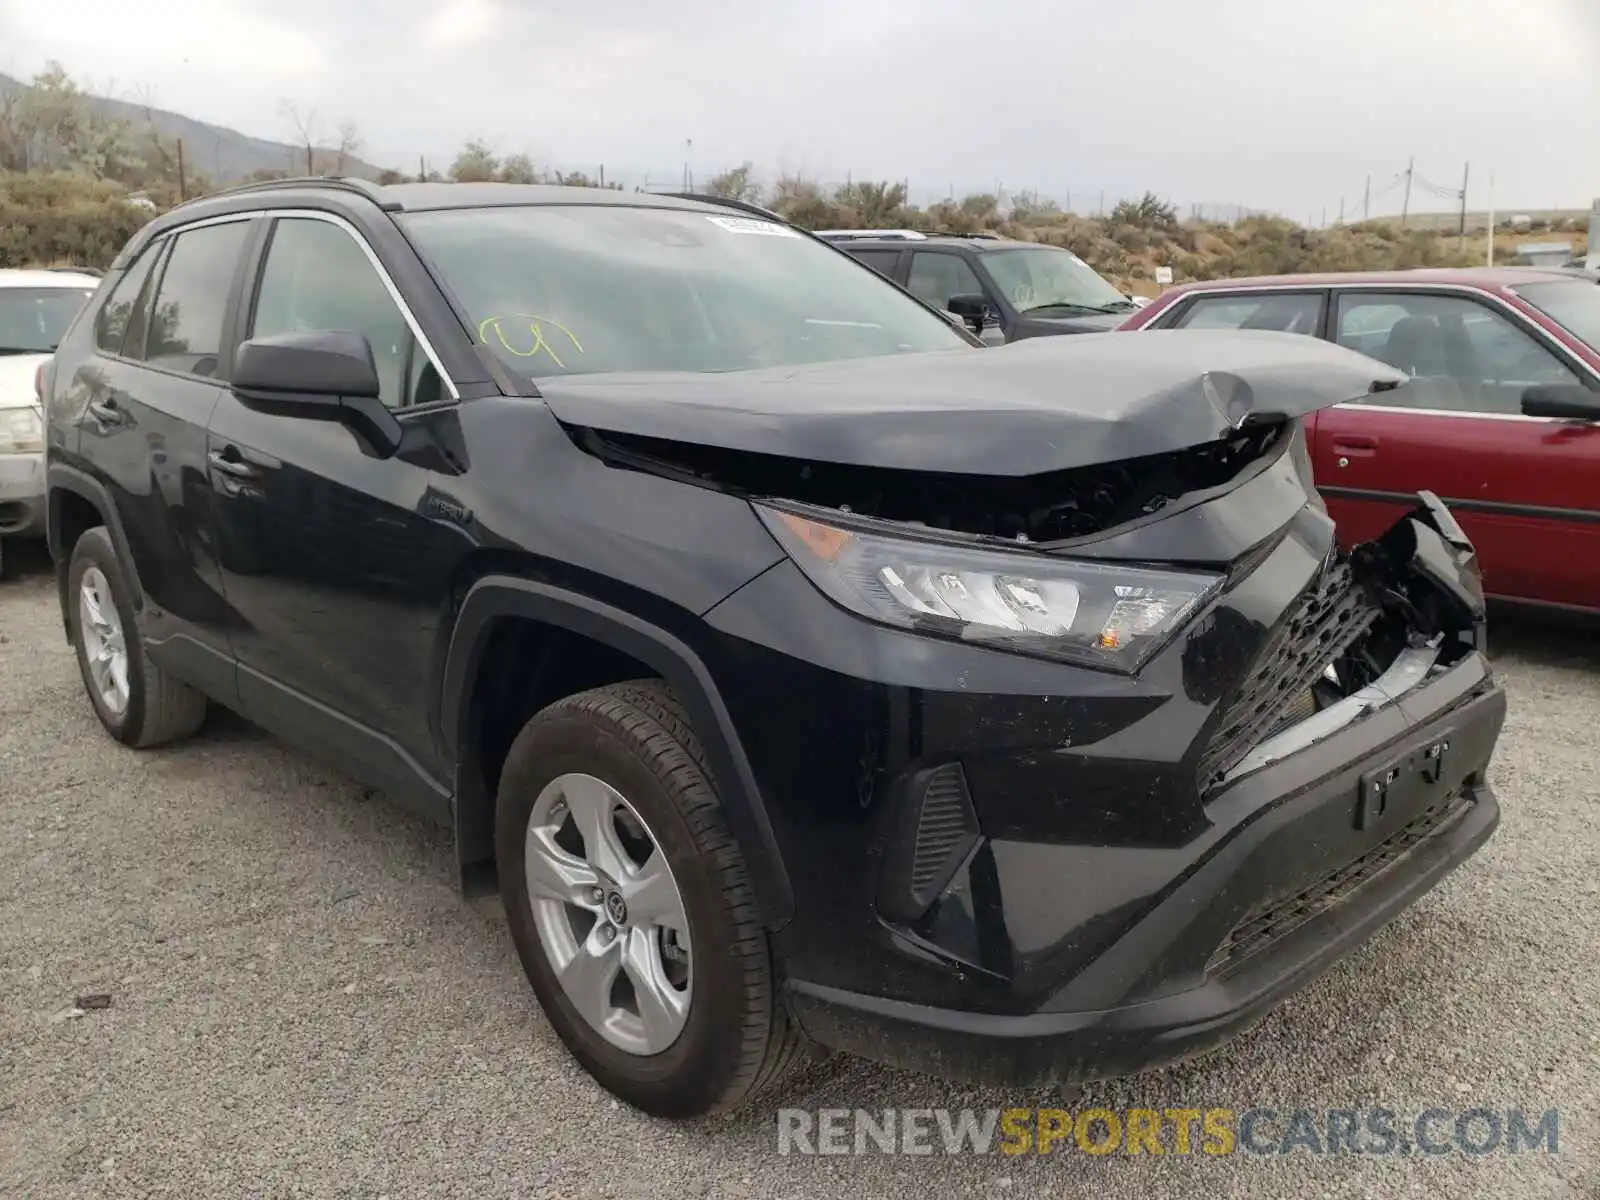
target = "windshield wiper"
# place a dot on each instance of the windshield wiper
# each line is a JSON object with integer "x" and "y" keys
{"x": 1073, "y": 307}
{"x": 8, "y": 350}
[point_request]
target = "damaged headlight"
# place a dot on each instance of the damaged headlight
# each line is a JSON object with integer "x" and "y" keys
{"x": 1098, "y": 614}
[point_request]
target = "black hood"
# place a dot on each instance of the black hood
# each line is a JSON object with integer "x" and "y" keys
{"x": 1044, "y": 404}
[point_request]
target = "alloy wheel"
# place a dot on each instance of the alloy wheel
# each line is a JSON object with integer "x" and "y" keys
{"x": 105, "y": 648}
{"x": 609, "y": 913}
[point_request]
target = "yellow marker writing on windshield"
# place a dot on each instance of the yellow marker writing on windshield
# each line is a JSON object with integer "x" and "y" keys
{"x": 536, "y": 326}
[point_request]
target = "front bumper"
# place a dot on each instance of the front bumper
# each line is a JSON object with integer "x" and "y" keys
{"x": 1288, "y": 891}
{"x": 1010, "y": 869}
{"x": 22, "y": 511}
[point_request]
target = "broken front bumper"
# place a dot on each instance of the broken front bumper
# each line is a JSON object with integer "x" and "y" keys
{"x": 1303, "y": 862}
{"x": 1044, "y": 872}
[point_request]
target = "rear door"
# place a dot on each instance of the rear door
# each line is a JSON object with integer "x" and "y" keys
{"x": 884, "y": 262}
{"x": 162, "y": 356}
{"x": 1457, "y": 429}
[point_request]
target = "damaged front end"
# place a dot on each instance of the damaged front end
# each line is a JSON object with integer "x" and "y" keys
{"x": 1373, "y": 627}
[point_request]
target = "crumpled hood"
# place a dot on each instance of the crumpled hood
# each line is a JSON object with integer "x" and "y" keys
{"x": 16, "y": 379}
{"x": 1043, "y": 404}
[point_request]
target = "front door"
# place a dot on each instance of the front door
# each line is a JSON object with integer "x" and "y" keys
{"x": 937, "y": 275}
{"x": 331, "y": 560}
{"x": 1457, "y": 429}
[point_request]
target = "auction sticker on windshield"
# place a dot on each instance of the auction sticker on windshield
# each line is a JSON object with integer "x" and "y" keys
{"x": 751, "y": 225}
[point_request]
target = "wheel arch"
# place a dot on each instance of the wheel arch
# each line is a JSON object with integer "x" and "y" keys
{"x": 70, "y": 494}
{"x": 494, "y": 599}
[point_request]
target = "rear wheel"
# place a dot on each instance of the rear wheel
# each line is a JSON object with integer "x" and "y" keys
{"x": 631, "y": 905}
{"x": 138, "y": 703}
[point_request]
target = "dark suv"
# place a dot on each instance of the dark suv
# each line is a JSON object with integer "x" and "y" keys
{"x": 807, "y": 676}
{"x": 1003, "y": 290}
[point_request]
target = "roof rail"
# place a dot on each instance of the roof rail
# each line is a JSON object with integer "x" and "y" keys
{"x": 728, "y": 202}
{"x": 887, "y": 235}
{"x": 341, "y": 183}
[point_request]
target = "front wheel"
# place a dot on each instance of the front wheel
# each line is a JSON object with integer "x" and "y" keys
{"x": 631, "y": 906}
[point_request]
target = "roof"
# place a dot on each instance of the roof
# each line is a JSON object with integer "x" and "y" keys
{"x": 48, "y": 277}
{"x": 1475, "y": 277}
{"x": 895, "y": 239}
{"x": 412, "y": 197}
{"x": 425, "y": 197}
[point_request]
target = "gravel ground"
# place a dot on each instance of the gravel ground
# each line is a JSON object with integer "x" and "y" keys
{"x": 303, "y": 1007}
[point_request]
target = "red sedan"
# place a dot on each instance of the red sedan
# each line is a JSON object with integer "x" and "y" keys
{"x": 1501, "y": 418}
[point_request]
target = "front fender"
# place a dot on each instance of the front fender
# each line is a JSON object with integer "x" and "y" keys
{"x": 497, "y": 596}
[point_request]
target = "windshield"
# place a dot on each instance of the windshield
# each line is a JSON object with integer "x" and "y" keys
{"x": 1044, "y": 277}
{"x": 34, "y": 320}
{"x": 581, "y": 289}
{"x": 1574, "y": 306}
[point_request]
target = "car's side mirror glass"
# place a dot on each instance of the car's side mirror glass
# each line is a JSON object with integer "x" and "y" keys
{"x": 1567, "y": 401}
{"x": 321, "y": 376}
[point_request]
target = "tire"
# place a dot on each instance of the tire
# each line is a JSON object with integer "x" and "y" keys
{"x": 737, "y": 1039}
{"x": 158, "y": 707}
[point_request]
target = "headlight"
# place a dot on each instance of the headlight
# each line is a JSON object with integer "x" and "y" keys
{"x": 1098, "y": 614}
{"x": 21, "y": 431}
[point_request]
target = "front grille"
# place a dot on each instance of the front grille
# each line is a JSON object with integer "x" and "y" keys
{"x": 1268, "y": 924}
{"x": 1329, "y": 617}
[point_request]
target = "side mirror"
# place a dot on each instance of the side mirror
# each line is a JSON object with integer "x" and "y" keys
{"x": 971, "y": 308}
{"x": 1569, "y": 401}
{"x": 320, "y": 376}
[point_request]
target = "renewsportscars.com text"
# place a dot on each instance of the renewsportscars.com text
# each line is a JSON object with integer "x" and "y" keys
{"x": 1206, "y": 1131}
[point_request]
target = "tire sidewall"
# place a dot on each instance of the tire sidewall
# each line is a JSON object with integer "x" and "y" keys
{"x": 94, "y": 549}
{"x": 692, "y": 1073}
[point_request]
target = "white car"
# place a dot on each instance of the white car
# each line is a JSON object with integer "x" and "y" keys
{"x": 36, "y": 308}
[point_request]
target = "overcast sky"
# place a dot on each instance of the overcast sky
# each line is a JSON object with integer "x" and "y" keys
{"x": 1280, "y": 104}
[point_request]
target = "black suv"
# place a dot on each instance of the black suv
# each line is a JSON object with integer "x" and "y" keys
{"x": 1003, "y": 290}
{"x": 808, "y": 676}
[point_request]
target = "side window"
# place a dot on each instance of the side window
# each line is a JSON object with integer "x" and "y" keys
{"x": 936, "y": 277}
{"x": 1461, "y": 355}
{"x": 111, "y": 322}
{"x": 191, "y": 299}
{"x": 1291, "y": 313}
{"x": 318, "y": 279}
{"x": 881, "y": 261}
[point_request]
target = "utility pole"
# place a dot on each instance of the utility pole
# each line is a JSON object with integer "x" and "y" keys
{"x": 1405, "y": 208}
{"x": 1491, "y": 218}
{"x": 1341, "y": 210}
{"x": 1324, "y": 224}
{"x": 1102, "y": 211}
{"x": 1465, "y": 173}
{"x": 1366, "y": 203}
{"x": 183, "y": 183}
{"x": 422, "y": 169}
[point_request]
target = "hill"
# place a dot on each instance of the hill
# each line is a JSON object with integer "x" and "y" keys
{"x": 220, "y": 154}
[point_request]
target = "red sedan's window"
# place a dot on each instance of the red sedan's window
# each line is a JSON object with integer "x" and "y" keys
{"x": 1574, "y": 306}
{"x": 1463, "y": 356}
{"x": 1294, "y": 312}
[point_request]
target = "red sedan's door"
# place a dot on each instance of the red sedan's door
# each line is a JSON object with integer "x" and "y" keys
{"x": 1526, "y": 489}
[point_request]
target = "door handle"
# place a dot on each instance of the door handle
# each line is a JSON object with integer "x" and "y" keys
{"x": 106, "y": 412}
{"x": 1354, "y": 441}
{"x": 230, "y": 464}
